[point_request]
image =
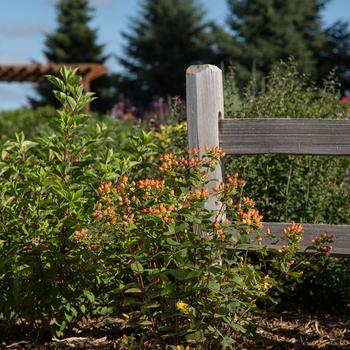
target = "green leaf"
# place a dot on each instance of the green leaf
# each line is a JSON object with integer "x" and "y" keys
{"x": 68, "y": 317}
{"x": 56, "y": 81}
{"x": 196, "y": 337}
{"x": 181, "y": 227}
{"x": 193, "y": 274}
{"x": 71, "y": 102}
{"x": 237, "y": 327}
{"x": 133, "y": 290}
{"x": 89, "y": 295}
{"x": 26, "y": 145}
{"x": 171, "y": 242}
{"x": 136, "y": 267}
{"x": 214, "y": 286}
{"x": 178, "y": 274}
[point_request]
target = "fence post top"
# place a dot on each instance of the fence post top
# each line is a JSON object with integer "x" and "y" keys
{"x": 198, "y": 68}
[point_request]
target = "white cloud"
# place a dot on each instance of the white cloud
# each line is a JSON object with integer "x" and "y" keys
{"x": 19, "y": 29}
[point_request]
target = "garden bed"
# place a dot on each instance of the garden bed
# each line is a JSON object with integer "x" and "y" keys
{"x": 303, "y": 331}
{"x": 287, "y": 331}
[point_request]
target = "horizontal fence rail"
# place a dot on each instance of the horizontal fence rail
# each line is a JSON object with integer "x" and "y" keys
{"x": 340, "y": 233}
{"x": 285, "y": 136}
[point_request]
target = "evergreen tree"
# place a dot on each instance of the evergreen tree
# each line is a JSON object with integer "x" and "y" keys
{"x": 73, "y": 42}
{"x": 167, "y": 37}
{"x": 335, "y": 54}
{"x": 264, "y": 32}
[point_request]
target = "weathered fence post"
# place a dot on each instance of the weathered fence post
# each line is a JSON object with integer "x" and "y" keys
{"x": 205, "y": 105}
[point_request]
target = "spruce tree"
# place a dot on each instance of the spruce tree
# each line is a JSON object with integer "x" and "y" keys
{"x": 264, "y": 32}
{"x": 74, "y": 41}
{"x": 166, "y": 37}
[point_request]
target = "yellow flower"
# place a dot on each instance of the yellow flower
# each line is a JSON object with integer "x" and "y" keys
{"x": 180, "y": 305}
{"x": 267, "y": 285}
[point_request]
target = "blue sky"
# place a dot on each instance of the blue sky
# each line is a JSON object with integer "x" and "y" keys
{"x": 23, "y": 24}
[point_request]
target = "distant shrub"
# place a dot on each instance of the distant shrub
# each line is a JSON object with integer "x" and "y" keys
{"x": 34, "y": 122}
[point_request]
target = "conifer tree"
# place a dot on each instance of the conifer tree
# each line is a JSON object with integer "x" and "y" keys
{"x": 335, "y": 54}
{"x": 74, "y": 41}
{"x": 264, "y": 32}
{"x": 165, "y": 38}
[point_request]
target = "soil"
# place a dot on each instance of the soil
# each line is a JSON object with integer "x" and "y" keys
{"x": 287, "y": 331}
{"x": 303, "y": 331}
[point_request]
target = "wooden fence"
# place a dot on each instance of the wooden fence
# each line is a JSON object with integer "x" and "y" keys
{"x": 208, "y": 127}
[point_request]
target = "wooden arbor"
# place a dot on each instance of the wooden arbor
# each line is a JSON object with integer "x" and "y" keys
{"x": 36, "y": 72}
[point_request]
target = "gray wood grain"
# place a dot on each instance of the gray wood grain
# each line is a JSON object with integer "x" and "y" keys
{"x": 204, "y": 104}
{"x": 340, "y": 233}
{"x": 285, "y": 136}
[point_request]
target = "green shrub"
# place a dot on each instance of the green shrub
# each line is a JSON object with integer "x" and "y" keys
{"x": 325, "y": 286}
{"x": 48, "y": 190}
{"x": 177, "y": 287}
{"x": 33, "y": 122}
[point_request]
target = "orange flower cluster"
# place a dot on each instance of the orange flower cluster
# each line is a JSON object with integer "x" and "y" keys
{"x": 105, "y": 188}
{"x": 171, "y": 162}
{"x": 230, "y": 185}
{"x": 161, "y": 212}
{"x": 215, "y": 152}
{"x": 196, "y": 161}
{"x": 220, "y": 225}
{"x": 150, "y": 183}
{"x": 234, "y": 180}
{"x": 84, "y": 238}
{"x": 195, "y": 151}
{"x": 294, "y": 232}
{"x": 121, "y": 203}
{"x": 323, "y": 243}
{"x": 112, "y": 197}
{"x": 248, "y": 201}
{"x": 198, "y": 194}
{"x": 128, "y": 201}
{"x": 250, "y": 217}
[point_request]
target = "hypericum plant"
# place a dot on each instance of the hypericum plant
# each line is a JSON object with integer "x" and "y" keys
{"x": 51, "y": 268}
{"x": 179, "y": 286}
